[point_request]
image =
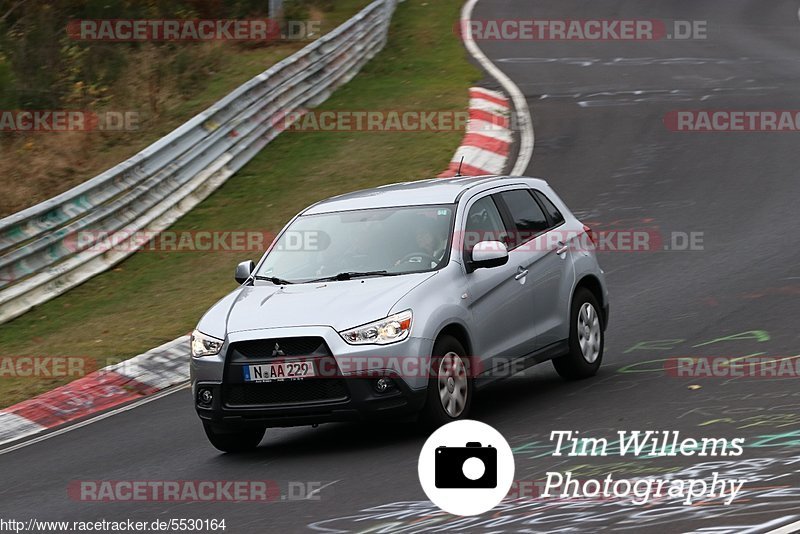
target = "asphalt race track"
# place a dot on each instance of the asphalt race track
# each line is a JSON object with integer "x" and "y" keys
{"x": 598, "y": 111}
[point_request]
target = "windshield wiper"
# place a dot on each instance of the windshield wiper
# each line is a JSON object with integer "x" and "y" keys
{"x": 274, "y": 280}
{"x": 349, "y": 275}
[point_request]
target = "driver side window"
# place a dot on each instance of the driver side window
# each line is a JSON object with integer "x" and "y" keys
{"x": 483, "y": 224}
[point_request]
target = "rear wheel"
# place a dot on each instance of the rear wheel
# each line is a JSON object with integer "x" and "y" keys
{"x": 585, "y": 338}
{"x": 240, "y": 440}
{"x": 450, "y": 385}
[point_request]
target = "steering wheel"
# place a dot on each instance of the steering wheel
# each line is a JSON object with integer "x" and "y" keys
{"x": 421, "y": 255}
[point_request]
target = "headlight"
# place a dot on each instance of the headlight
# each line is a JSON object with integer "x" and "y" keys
{"x": 394, "y": 328}
{"x": 203, "y": 345}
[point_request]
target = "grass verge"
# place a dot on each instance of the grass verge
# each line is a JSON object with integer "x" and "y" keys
{"x": 155, "y": 296}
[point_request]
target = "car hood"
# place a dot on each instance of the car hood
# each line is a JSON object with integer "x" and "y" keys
{"x": 341, "y": 305}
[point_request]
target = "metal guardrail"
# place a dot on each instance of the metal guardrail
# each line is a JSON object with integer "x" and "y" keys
{"x": 40, "y": 257}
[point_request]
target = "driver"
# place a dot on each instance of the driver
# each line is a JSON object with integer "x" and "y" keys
{"x": 428, "y": 247}
{"x": 427, "y": 244}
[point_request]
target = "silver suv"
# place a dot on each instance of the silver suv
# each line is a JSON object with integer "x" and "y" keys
{"x": 403, "y": 299}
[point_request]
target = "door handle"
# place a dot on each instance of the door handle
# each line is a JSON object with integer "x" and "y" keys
{"x": 521, "y": 273}
{"x": 562, "y": 248}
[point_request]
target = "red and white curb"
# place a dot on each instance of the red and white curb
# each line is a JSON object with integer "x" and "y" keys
{"x": 487, "y": 143}
{"x": 130, "y": 380}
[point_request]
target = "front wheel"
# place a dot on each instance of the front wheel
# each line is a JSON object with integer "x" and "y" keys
{"x": 450, "y": 384}
{"x": 234, "y": 440}
{"x": 585, "y": 339}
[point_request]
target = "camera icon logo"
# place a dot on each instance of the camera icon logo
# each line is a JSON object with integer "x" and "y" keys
{"x": 466, "y": 467}
{"x": 472, "y": 466}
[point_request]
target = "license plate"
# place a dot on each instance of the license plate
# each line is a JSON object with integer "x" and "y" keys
{"x": 270, "y": 372}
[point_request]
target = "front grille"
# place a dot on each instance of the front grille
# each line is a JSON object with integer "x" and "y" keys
{"x": 290, "y": 392}
{"x": 260, "y": 349}
{"x": 326, "y": 386}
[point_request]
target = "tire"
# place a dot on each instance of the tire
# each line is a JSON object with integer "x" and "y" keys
{"x": 586, "y": 338}
{"x": 234, "y": 440}
{"x": 441, "y": 408}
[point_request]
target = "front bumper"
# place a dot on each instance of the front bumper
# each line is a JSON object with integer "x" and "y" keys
{"x": 350, "y": 396}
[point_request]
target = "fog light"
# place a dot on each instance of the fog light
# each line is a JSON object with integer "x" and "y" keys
{"x": 382, "y": 385}
{"x": 205, "y": 397}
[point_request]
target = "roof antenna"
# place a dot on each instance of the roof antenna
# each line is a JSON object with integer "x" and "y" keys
{"x": 458, "y": 172}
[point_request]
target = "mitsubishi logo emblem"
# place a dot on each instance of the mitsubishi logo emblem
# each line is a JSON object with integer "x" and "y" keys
{"x": 277, "y": 351}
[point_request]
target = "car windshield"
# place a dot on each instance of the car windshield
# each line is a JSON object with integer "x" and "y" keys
{"x": 371, "y": 242}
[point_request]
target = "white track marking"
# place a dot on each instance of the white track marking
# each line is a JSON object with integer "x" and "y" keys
{"x": 127, "y": 407}
{"x": 527, "y": 139}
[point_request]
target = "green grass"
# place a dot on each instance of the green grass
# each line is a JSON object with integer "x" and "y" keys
{"x": 154, "y": 297}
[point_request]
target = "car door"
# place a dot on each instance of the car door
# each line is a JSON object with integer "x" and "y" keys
{"x": 496, "y": 297}
{"x": 558, "y": 276}
{"x": 544, "y": 260}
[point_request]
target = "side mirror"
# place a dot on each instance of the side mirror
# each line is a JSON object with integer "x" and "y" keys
{"x": 488, "y": 254}
{"x": 244, "y": 270}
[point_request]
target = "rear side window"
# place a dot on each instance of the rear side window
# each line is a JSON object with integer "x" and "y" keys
{"x": 484, "y": 223}
{"x": 529, "y": 219}
{"x": 555, "y": 216}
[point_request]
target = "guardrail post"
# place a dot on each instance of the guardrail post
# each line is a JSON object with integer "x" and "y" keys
{"x": 276, "y": 10}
